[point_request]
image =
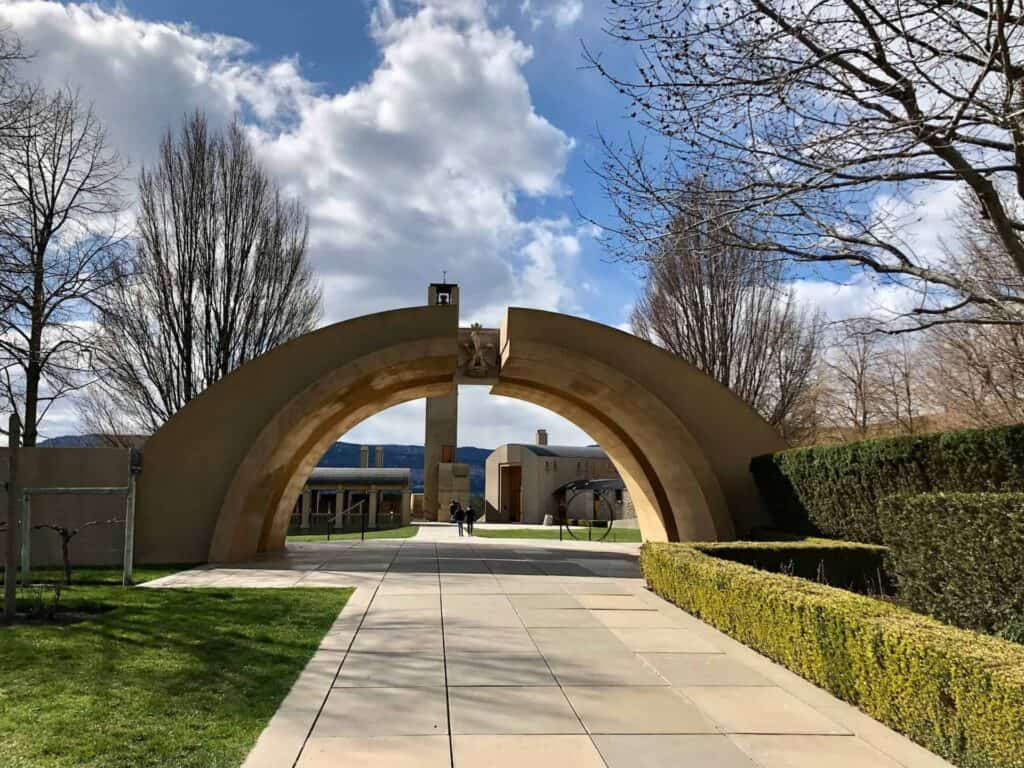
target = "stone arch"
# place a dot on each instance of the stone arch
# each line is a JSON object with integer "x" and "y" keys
{"x": 219, "y": 479}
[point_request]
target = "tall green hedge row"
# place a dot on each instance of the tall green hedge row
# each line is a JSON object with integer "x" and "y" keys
{"x": 844, "y": 564}
{"x": 834, "y": 490}
{"x": 957, "y": 693}
{"x": 958, "y": 556}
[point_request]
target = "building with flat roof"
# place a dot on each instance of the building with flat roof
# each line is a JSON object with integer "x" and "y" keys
{"x": 525, "y": 482}
{"x": 342, "y": 498}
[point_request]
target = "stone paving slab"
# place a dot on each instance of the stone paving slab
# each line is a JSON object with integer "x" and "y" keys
{"x": 530, "y": 751}
{"x": 484, "y": 653}
{"x": 692, "y": 669}
{"x": 668, "y": 751}
{"x": 504, "y": 668}
{"x": 391, "y": 670}
{"x": 807, "y": 751}
{"x": 646, "y": 710}
{"x": 512, "y": 710}
{"x": 362, "y": 712}
{"x": 380, "y": 752}
{"x": 767, "y": 710}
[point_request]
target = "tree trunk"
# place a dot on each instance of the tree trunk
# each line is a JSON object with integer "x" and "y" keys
{"x": 64, "y": 541}
{"x": 33, "y": 372}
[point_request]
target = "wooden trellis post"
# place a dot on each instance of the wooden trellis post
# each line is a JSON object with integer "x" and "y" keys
{"x": 13, "y": 497}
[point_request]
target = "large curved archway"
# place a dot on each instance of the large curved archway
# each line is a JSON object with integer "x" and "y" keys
{"x": 220, "y": 478}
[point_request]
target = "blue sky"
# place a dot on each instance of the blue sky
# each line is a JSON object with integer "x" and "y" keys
{"x": 335, "y": 49}
{"x": 423, "y": 135}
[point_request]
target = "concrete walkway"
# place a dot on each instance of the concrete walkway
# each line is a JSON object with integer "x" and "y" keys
{"x": 489, "y": 653}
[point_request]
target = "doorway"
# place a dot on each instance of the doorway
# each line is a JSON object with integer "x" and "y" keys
{"x": 510, "y": 492}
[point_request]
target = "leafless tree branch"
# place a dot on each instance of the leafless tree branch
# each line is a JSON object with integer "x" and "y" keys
{"x": 823, "y": 124}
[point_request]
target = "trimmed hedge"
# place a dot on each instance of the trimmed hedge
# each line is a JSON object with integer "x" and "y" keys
{"x": 959, "y": 557}
{"x": 834, "y": 490}
{"x": 844, "y": 564}
{"x": 957, "y": 693}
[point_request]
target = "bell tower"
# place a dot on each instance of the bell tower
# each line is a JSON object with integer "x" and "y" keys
{"x": 442, "y": 422}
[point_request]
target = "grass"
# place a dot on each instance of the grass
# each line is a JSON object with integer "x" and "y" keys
{"x": 616, "y": 535}
{"x": 406, "y": 532}
{"x": 176, "y": 678}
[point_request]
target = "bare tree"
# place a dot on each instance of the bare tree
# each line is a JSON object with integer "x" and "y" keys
{"x": 60, "y": 243}
{"x": 974, "y": 374}
{"x": 728, "y": 312}
{"x": 901, "y": 398}
{"x": 826, "y": 123}
{"x": 852, "y": 401}
{"x": 220, "y": 277}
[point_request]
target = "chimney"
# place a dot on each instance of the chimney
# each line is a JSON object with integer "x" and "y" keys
{"x": 364, "y": 455}
{"x": 542, "y": 437}
{"x": 379, "y": 456}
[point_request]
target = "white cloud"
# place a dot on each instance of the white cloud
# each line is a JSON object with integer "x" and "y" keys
{"x": 485, "y": 421}
{"x": 416, "y": 170}
{"x": 559, "y": 13}
{"x": 922, "y": 222}
{"x": 862, "y": 296}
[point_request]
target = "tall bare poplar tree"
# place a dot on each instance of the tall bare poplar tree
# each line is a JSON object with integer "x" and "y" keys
{"x": 220, "y": 277}
{"x": 60, "y": 194}
{"x": 727, "y": 311}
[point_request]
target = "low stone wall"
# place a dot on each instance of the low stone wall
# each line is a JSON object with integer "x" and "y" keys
{"x": 72, "y": 467}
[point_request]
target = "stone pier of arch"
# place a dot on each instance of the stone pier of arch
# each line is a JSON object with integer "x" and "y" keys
{"x": 220, "y": 478}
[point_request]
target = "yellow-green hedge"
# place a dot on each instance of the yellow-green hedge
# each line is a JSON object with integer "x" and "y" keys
{"x": 958, "y": 693}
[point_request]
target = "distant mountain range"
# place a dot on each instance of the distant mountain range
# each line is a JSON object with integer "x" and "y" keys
{"x": 411, "y": 456}
{"x": 346, "y": 455}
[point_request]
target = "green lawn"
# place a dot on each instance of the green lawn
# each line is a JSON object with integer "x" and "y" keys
{"x": 170, "y": 678}
{"x": 616, "y": 535}
{"x": 392, "y": 533}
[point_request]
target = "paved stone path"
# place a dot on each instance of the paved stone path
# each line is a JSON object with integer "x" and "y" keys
{"x": 485, "y": 653}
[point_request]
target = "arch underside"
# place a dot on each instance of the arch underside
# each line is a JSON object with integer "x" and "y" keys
{"x": 683, "y": 462}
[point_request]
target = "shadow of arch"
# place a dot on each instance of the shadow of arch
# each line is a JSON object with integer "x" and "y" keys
{"x": 220, "y": 478}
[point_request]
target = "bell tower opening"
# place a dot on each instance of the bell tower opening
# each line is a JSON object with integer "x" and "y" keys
{"x": 442, "y": 294}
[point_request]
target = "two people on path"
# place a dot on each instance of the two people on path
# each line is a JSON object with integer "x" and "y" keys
{"x": 462, "y": 516}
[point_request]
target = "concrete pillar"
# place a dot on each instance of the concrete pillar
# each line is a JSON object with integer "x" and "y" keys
{"x": 442, "y": 432}
{"x": 379, "y": 456}
{"x": 406, "y": 508}
{"x": 339, "y": 507}
{"x": 442, "y": 422}
{"x": 307, "y": 505}
{"x": 364, "y": 456}
{"x": 371, "y": 520}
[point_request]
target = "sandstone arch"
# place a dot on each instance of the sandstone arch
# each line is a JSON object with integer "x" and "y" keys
{"x": 220, "y": 477}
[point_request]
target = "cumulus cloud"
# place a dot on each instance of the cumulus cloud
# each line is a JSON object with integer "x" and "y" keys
{"x": 559, "y": 13}
{"x": 861, "y": 296}
{"x": 415, "y": 171}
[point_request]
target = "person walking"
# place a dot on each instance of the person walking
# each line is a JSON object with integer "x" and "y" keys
{"x": 470, "y": 519}
{"x": 460, "y": 515}
{"x": 451, "y": 510}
